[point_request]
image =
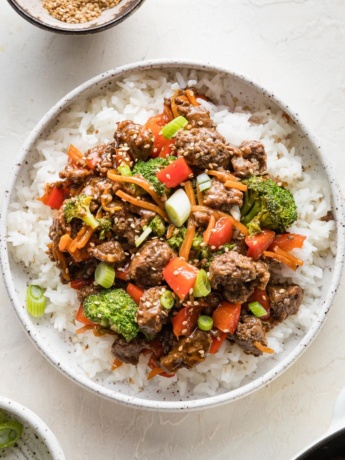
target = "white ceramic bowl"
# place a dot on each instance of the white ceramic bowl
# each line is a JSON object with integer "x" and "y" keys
{"x": 33, "y": 11}
{"x": 57, "y": 351}
{"x": 37, "y": 441}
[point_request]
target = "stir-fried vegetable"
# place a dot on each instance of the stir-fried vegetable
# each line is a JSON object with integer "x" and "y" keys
{"x": 222, "y": 233}
{"x": 10, "y": 432}
{"x": 176, "y": 173}
{"x": 167, "y": 299}
{"x": 178, "y": 207}
{"x": 35, "y": 300}
{"x": 171, "y": 129}
{"x": 226, "y": 316}
{"x": 202, "y": 286}
{"x": 78, "y": 207}
{"x": 205, "y": 322}
{"x": 180, "y": 276}
{"x": 105, "y": 275}
{"x": 258, "y": 243}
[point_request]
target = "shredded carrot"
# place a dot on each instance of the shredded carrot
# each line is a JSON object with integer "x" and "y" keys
{"x": 236, "y": 184}
{"x": 117, "y": 363}
{"x": 64, "y": 242}
{"x": 242, "y": 228}
{"x": 262, "y": 348}
{"x": 142, "y": 204}
{"x": 143, "y": 183}
{"x": 188, "y": 240}
{"x": 173, "y": 104}
{"x": 221, "y": 175}
{"x": 207, "y": 210}
{"x": 60, "y": 258}
{"x": 190, "y": 192}
{"x": 167, "y": 111}
{"x": 87, "y": 327}
{"x": 210, "y": 227}
{"x": 198, "y": 195}
{"x": 281, "y": 258}
{"x": 74, "y": 154}
{"x": 81, "y": 239}
{"x": 154, "y": 372}
{"x": 292, "y": 258}
{"x": 170, "y": 231}
{"x": 191, "y": 97}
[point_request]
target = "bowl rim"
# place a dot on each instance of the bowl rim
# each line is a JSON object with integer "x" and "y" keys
{"x": 91, "y": 30}
{"x": 29, "y": 417}
{"x": 210, "y": 401}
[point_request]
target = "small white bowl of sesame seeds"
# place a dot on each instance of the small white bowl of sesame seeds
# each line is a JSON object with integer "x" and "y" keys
{"x": 63, "y": 16}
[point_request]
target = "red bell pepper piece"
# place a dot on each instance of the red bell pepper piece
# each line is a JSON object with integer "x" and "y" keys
{"x": 226, "y": 316}
{"x": 185, "y": 321}
{"x": 80, "y": 283}
{"x": 92, "y": 160}
{"x": 259, "y": 243}
{"x": 135, "y": 292}
{"x": 178, "y": 171}
{"x": 82, "y": 318}
{"x": 287, "y": 241}
{"x": 180, "y": 276}
{"x": 222, "y": 232}
{"x": 54, "y": 197}
{"x": 122, "y": 274}
{"x": 155, "y": 124}
{"x": 217, "y": 342}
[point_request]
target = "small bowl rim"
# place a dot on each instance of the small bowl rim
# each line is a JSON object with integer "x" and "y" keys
{"x": 25, "y": 415}
{"x": 50, "y": 28}
{"x": 209, "y": 401}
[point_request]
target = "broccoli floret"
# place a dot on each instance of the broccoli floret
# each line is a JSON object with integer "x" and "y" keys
{"x": 149, "y": 169}
{"x": 104, "y": 226}
{"x": 115, "y": 309}
{"x": 79, "y": 207}
{"x": 176, "y": 240}
{"x": 267, "y": 205}
{"x": 202, "y": 249}
{"x": 158, "y": 226}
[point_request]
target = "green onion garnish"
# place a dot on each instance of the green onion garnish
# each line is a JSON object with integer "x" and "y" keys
{"x": 143, "y": 236}
{"x": 105, "y": 275}
{"x": 124, "y": 170}
{"x": 257, "y": 309}
{"x": 171, "y": 129}
{"x": 167, "y": 299}
{"x": 35, "y": 300}
{"x": 10, "y": 432}
{"x": 202, "y": 286}
{"x": 204, "y": 182}
{"x": 178, "y": 207}
{"x": 205, "y": 323}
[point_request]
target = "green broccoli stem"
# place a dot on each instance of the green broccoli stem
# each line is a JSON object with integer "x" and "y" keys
{"x": 90, "y": 220}
{"x": 254, "y": 211}
{"x": 248, "y": 202}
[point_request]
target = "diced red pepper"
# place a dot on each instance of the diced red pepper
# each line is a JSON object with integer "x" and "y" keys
{"x": 122, "y": 274}
{"x": 260, "y": 295}
{"x": 155, "y": 124}
{"x": 185, "y": 321}
{"x": 226, "y": 316}
{"x": 287, "y": 241}
{"x": 178, "y": 171}
{"x": 54, "y": 197}
{"x": 135, "y": 292}
{"x": 259, "y": 243}
{"x": 180, "y": 276}
{"x": 217, "y": 342}
{"x": 92, "y": 160}
{"x": 80, "y": 283}
{"x": 222, "y": 232}
{"x": 82, "y": 318}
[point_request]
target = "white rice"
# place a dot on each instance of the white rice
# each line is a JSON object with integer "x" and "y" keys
{"x": 93, "y": 122}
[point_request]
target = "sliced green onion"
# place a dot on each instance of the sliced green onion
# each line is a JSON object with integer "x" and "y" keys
{"x": 205, "y": 323}
{"x": 10, "y": 432}
{"x": 167, "y": 299}
{"x": 171, "y": 129}
{"x": 124, "y": 170}
{"x": 257, "y": 309}
{"x": 178, "y": 207}
{"x": 205, "y": 186}
{"x": 105, "y": 275}
{"x": 35, "y": 300}
{"x": 202, "y": 286}
{"x": 143, "y": 236}
{"x": 204, "y": 182}
{"x": 3, "y": 417}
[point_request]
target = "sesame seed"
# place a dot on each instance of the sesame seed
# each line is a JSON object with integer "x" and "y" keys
{"x": 184, "y": 331}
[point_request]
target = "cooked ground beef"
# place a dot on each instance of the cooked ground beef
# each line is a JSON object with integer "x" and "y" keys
{"x": 188, "y": 351}
{"x": 203, "y": 148}
{"x": 237, "y": 275}
{"x": 151, "y": 315}
{"x": 249, "y": 330}
{"x": 220, "y": 197}
{"x": 147, "y": 265}
{"x": 110, "y": 252}
{"x": 138, "y": 140}
{"x": 85, "y": 291}
{"x": 285, "y": 300}
{"x": 128, "y": 352}
{"x": 249, "y": 158}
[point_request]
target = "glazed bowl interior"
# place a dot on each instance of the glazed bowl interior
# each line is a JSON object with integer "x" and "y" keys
{"x": 34, "y": 12}
{"x": 36, "y": 442}
{"x": 59, "y": 351}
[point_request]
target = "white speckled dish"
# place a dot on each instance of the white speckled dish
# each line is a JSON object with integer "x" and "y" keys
{"x": 58, "y": 352}
{"x": 37, "y": 442}
{"x": 33, "y": 11}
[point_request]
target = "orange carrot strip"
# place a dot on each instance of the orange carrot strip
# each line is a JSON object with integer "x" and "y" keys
{"x": 281, "y": 258}
{"x": 191, "y": 97}
{"x": 173, "y": 104}
{"x": 207, "y": 210}
{"x": 74, "y": 154}
{"x": 235, "y": 184}
{"x": 117, "y": 363}
{"x": 221, "y": 175}
{"x": 154, "y": 372}
{"x": 143, "y": 183}
{"x": 170, "y": 231}
{"x": 262, "y": 348}
{"x": 85, "y": 238}
{"x": 188, "y": 240}
{"x": 198, "y": 195}
{"x": 64, "y": 242}
{"x": 190, "y": 192}
{"x": 292, "y": 258}
{"x": 242, "y": 228}
{"x": 87, "y": 327}
{"x": 210, "y": 227}
{"x": 142, "y": 204}
{"x": 60, "y": 258}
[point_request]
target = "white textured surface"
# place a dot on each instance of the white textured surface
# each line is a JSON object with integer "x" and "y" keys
{"x": 295, "y": 48}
